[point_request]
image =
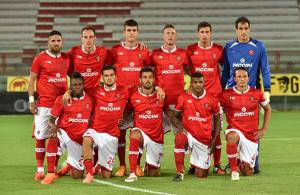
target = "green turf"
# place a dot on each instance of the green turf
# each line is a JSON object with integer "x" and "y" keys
{"x": 280, "y": 164}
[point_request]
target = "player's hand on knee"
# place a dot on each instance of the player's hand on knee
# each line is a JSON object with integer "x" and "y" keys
{"x": 67, "y": 99}
{"x": 32, "y": 107}
{"x": 260, "y": 133}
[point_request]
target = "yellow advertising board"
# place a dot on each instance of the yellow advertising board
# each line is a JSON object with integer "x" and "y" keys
{"x": 17, "y": 83}
{"x": 285, "y": 84}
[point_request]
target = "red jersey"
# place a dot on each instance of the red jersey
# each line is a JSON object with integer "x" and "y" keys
{"x": 109, "y": 108}
{"x": 242, "y": 110}
{"x": 206, "y": 61}
{"x": 197, "y": 115}
{"x": 148, "y": 113}
{"x": 73, "y": 118}
{"x": 128, "y": 63}
{"x": 52, "y": 74}
{"x": 169, "y": 73}
{"x": 89, "y": 65}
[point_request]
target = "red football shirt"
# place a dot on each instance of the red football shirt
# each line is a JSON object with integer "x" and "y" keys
{"x": 73, "y": 118}
{"x": 206, "y": 61}
{"x": 89, "y": 65}
{"x": 169, "y": 73}
{"x": 109, "y": 108}
{"x": 148, "y": 113}
{"x": 242, "y": 110}
{"x": 129, "y": 62}
{"x": 52, "y": 74}
{"x": 197, "y": 114}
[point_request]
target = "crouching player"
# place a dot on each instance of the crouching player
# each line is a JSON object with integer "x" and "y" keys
{"x": 147, "y": 132}
{"x": 73, "y": 120}
{"x": 241, "y": 105}
{"x": 110, "y": 102}
{"x": 195, "y": 110}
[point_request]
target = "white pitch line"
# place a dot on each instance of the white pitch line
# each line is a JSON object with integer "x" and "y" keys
{"x": 131, "y": 188}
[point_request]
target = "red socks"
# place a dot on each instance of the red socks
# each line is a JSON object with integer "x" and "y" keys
{"x": 133, "y": 154}
{"x": 51, "y": 154}
{"x": 40, "y": 152}
{"x": 231, "y": 150}
{"x": 217, "y": 152}
{"x": 179, "y": 151}
{"x": 122, "y": 147}
{"x": 88, "y": 164}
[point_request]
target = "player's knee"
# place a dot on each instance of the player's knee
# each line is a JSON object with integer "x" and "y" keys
{"x": 76, "y": 174}
{"x": 136, "y": 134}
{"x": 180, "y": 140}
{"x": 201, "y": 173}
{"x": 232, "y": 137}
{"x": 246, "y": 170}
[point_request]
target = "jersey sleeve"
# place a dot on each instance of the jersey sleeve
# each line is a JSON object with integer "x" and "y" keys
{"x": 226, "y": 69}
{"x": 180, "y": 103}
{"x": 36, "y": 65}
{"x": 57, "y": 107}
{"x": 215, "y": 106}
{"x": 261, "y": 98}
{"x": 265, "y": 69}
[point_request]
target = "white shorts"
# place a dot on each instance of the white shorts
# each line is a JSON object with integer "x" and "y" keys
{"x": 247, "y": 149}
{"x": 154, "y": 150}
{"x": 107, "y": 147}
{"x": 74, "y": 150}
{"x": 128, "y": 122}
{"x": 200, "y": 153}
{"x": 41, "y": 130}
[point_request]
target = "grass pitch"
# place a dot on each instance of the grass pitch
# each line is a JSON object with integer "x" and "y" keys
{"x": 280, "y": 165}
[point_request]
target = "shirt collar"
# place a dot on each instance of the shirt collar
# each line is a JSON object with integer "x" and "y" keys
{"x": 81, "y": 98}
{"x": 167, "y": 51}
{"x": 112, "y": 89}
{"x": 52, "y": 55}
{"x": 152, "y": 94}
{"x": 123, "y": 45}
{"x": 237, "y": 91}
{"x": 204, "y": 93}
{"x": 199, "y": 45}
{"x": 82, "y": 48}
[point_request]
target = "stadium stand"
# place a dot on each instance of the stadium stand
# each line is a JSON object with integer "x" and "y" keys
{"x": 24, "y": 25}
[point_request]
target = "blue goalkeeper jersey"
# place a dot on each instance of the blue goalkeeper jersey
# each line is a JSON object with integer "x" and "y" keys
{"x": 251, "y": 55}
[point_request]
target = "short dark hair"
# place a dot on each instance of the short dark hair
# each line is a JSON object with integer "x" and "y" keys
{"x": 146, "y": 69}
{"x": 241, "y": 68}
{"x": 168, "y": 26}
{"x": 203, "y": 25}
{"x": 88, "y": 28}
{"x": 54, "y": 32}
{"x": 197, "y": 75}
{"x": 130, "y": 22}
{"x": 242, "y": 20}
{"x": 108, "y": 67}
{"x": 76, "y": 75}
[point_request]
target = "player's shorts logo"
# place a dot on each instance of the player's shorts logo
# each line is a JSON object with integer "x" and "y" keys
{"x": 171, "y": 67}
{"x": 244, "y": 109}
{"x": 79, "y": 115}
{"x": 243, "y": 60}
{"x": 57, "y": 75}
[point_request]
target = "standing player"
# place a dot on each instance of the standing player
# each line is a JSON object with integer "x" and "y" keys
{"x": 49, "y": 71}
{"x": 241, "y": 105}
{"x": 205, "y": 57}
{"x": 89, "y": 60}
{"x": 169, "y": 62}
{"x": 147, "y": 131}
{"x": 250, "y": 53}
{"x": 195, "y": 110}
{"x": 73, "y": 121}
{"x": 110, "y": 102}
{"x": 129, "y": 59}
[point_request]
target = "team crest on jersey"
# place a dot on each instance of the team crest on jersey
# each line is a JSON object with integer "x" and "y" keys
{"x": 140, "y": 56}
{"x": 57, "y": 75}
{"x": 206, "y": 105}
{"x": 97, "y": 58}
{"x": 120, "y": 53}
{"x": 79, "y": 115}
{"x": 110, "y": 105}
{"x": 160, "y": 57}
{"x": 214, "y": 56}
{"x": 244, "y": 109}
{"x": 171, "y": 67}
{"x": 251, "y": 98}
{"x": 178, "y": 58}
{"x": 251, "y": 52}
{"x": 243, "y": 60}
{"x": 118, "y": 95}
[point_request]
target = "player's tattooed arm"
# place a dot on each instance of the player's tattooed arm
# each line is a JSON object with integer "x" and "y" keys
{"x": 217, "y": 127}
{"x": 53, "y": 130}
{"x": 32, "y": 80}
{"x": 267, "y": 116}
